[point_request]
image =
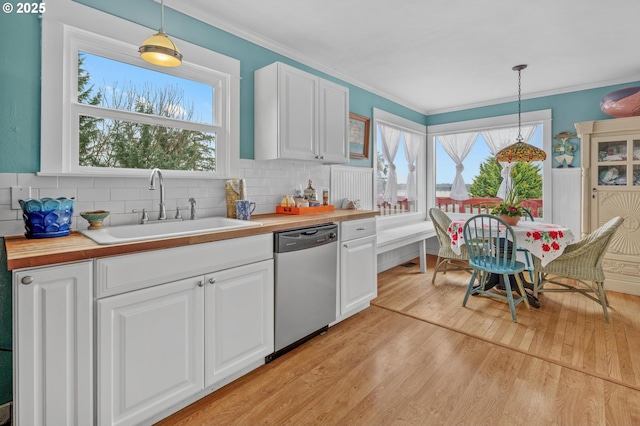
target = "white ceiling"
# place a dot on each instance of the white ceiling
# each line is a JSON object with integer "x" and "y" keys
{"x": 443, "y": 55}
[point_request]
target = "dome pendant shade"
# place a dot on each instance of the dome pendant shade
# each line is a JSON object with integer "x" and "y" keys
{"x": 520, "y": 152}
{"x": 160, "y": 50}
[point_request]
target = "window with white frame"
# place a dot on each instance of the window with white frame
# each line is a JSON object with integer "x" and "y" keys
{"x": 467, "y": 179}
{"x": 400, "y": 165}
{"x": 107, "y": 112}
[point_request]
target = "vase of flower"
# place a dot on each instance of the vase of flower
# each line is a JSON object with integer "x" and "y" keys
{"x": 509, "y": 210}
{"x": 510, "y": 220}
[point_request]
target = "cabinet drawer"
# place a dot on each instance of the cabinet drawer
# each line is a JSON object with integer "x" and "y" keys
{"x": 351, "y": 229}
{"x": 119, "y": 274}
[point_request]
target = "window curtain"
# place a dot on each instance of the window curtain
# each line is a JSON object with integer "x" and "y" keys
{"x": 498, "y": 139}
{"x": 458, "y": 146}
{"x": 390, "y": 142}
{"x": 412, "y": 143}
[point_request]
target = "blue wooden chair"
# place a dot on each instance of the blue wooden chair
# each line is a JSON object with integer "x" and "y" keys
{"x": 491, "y": 245}
{"x": 527, "y": 255}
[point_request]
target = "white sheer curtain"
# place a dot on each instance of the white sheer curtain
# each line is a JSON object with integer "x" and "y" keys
{"x": 458, "y": 146}
{"x": 498, "y": 139}
{"x": 412, "y": 144}
{"x": 390, "y": 142}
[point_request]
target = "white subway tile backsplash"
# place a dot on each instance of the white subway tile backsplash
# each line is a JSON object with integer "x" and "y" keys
{"x": 7, "y": 214}
{"x": 75, "y": 182}
{"x": 30, "y": 179}
{"x": 267, "y": 182}
{"x": 114, "y": 207}
{"x": 125, "y": 194}
{"x": 11, "y": 227}
{"x": 8, "y": 180}
{"x": 58, "y": 192}
{"x": 5, "y": 195}
{"x": 103, "y": 182}
{"x": 93, "y": 194}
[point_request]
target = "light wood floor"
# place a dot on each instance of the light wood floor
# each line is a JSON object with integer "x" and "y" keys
{"x": 417, "y": 357}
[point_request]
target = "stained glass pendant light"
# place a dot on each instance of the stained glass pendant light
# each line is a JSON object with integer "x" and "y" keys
{"x": 159, "y": 49}
{"x": 520, "y": 151}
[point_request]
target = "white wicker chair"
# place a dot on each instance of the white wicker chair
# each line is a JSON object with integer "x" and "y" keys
{"x": 581, "y": 262}
{"x": 447, "y": 258}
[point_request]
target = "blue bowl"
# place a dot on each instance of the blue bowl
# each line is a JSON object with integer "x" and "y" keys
{"x": 47, "y": 217}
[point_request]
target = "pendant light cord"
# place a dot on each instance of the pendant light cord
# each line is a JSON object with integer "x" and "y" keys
{"x": 519, "y": 68}
{"x": 519, "y": 138}
{"x": 162, "y": 16}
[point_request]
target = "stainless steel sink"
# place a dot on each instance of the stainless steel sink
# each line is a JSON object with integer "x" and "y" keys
{"x": 164, "y": 229}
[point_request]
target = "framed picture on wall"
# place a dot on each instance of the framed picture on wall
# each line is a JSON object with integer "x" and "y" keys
{"x": 358, "y": 136}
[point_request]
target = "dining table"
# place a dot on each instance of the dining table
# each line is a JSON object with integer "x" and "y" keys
{"x": 546, "y": 241}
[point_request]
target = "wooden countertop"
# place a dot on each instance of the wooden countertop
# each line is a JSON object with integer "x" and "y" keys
{"x": 27, "y": 253}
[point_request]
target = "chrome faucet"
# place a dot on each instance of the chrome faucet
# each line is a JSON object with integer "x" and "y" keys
{"x": 163, "y": 211}
{"x": 192, "y": 201}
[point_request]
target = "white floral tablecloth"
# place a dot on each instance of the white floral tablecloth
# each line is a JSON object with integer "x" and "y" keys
{"x": 546, "y": 241}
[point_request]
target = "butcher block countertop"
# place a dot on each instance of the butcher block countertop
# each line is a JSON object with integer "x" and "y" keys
{"x": 27, "y": 253}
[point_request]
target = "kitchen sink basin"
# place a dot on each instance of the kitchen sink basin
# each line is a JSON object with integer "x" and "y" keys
{"x": 164, "y": 229}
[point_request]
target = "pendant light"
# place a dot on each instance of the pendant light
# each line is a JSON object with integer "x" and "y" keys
{"x": 520, "y": 151}
{"x": 159, "y": 49}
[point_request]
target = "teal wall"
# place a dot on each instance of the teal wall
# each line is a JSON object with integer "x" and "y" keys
{"x": 5, "y": 328}
{"x": 567, "y": 108}
{"x": 20, "y": 105}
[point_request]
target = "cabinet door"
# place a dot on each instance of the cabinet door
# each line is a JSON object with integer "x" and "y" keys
{"x": 53, "y": 332}
{"x": 238, "y": 319}
{"x": 333, "y": 126}
{"x": 150, "y": 350}
{"x": 358, "y": 280}
{"x": 298, "y": 103}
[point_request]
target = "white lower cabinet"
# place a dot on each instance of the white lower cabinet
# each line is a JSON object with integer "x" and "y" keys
{"x": 150, "y": 350}
{"x": 358, "y": 266}
{"x": 238, "y": 319}
{"x": 163, "y": 344}
{"x": 53, "y": 341}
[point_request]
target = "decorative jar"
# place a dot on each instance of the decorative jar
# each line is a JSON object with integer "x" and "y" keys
{"x": 47, "y": 217}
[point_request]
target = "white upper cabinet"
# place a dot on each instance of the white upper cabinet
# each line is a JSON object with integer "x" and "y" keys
{"x": 300, "y": 116}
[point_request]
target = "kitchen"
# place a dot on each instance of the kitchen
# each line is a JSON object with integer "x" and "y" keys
{"x": 267, "y": 180}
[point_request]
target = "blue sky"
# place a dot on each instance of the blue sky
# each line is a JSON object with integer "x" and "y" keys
{"x": 109, "y": 73}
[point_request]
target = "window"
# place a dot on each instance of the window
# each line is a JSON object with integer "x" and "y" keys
{"x": 107, "y": 112}
{"x": 400, "y": 166}
{"x": 466, "y": 177}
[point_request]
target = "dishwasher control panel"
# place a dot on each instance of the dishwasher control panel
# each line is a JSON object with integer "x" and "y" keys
{"x": 305, "y": 238}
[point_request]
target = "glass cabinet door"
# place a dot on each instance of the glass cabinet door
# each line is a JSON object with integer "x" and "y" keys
{"x": 618, "y": 162}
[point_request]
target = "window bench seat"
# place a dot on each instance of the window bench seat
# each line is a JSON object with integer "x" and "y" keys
{"x": 400, "y": 236}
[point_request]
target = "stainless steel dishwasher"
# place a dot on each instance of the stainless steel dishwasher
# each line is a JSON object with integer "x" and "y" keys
{"x": 306, "y": 268}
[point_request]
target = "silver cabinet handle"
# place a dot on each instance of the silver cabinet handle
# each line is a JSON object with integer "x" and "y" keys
{"x": 27, "y": 280}
{"x": 212, "y": 280}
{"x": 200, "y": 283}
{"x": 363, "y": 228}
{"x": 345, "y": 245}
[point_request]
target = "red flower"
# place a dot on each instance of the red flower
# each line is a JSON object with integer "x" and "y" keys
{"x": 528, "y": 234}
{"x": 545, "y": 247}
{"x": 454, "y": 237}
{"x": 555, "y": 245}
{"x": 450, "y": 230}
{"x": 459, "y": 230}
{"x": 536, "y": 235}
{"x": 553, "y": 235}
{"x": 560, "y": 234}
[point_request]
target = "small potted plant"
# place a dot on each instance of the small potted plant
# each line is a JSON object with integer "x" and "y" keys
{"x": 509, "y": 210}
